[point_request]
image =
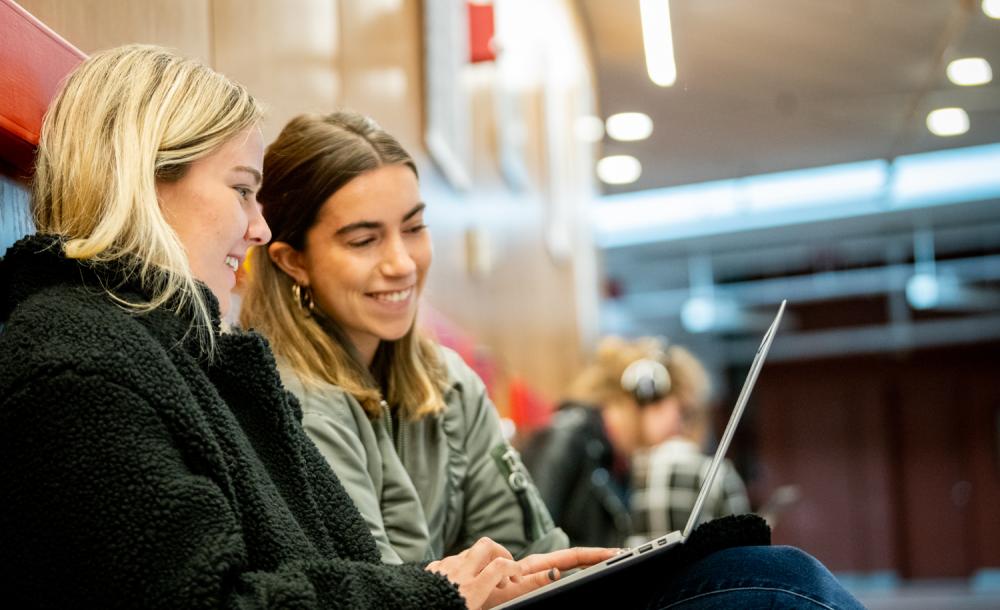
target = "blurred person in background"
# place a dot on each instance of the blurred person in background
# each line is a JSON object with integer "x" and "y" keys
{"x": 627, "y": 399}
{"x": 667, "y": 477}
{"x": 404, "y": 422}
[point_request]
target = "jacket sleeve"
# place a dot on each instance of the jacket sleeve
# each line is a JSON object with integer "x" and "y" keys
{"x": 101, "y": 509}
{"x": 501, "y": 500}
{"x": 390, "y": 506}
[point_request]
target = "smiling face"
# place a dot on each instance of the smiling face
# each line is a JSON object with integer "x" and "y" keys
{"x": 366, "y": 256}
{"x": 214, "y": 211}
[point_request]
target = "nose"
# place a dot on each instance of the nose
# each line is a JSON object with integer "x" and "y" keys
{"x": 396, "y": 259}
{"x": 258, "y": 233}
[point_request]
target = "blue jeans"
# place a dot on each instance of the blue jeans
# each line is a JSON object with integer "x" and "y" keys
{"x": 753, "y": 577}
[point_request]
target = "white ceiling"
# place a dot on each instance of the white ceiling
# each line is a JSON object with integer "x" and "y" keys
{"x": 771, "y": 85}
{"x": 774, "y": 85}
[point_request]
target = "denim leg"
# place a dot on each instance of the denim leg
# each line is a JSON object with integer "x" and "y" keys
{"x": 755, "y": 577}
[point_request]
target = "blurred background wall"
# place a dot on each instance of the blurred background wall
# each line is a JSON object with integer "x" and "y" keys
{"x": 795, "y": 154}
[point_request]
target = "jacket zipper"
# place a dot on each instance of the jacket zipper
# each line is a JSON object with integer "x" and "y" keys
{"x": 398, "y": 438}
{"x": 517, "y": 480}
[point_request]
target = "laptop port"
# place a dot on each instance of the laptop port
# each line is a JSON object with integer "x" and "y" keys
{"x": 646, "y": 547}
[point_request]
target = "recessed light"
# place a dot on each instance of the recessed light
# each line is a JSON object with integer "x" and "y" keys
{"x": 970, "y": 71}
{"x": 946, "y": 122}
{"x": 619, "y": 169}
{"x": 629, "y": 126}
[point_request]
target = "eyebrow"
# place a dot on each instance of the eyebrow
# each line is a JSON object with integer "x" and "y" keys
{"x": 253, "y": 172}
{"x": 371, "y": 224}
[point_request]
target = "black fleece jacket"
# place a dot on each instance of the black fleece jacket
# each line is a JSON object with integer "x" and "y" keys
{"x": 136, "y": 474}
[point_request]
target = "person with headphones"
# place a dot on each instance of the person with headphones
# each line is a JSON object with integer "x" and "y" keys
{"x": 667, "y": 477}
{"x": 624, "y": 401}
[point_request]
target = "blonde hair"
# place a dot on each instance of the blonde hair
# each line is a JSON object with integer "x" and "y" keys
{"x": 313, "y": 157}
{"x": 125, "y": 119}
{"x": 600, "y": 382}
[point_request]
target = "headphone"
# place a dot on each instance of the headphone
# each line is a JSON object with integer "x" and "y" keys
{"x": 646, "y": 380}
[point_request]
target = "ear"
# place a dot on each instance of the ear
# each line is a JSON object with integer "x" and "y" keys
{"x": 290, "y": 260}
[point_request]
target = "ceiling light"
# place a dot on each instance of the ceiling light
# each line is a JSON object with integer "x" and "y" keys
{"x": 970, "y": 71}
{"x": 992, "y": 8}
{"x": 948, "y": 122}
{"x": 588, "y": 128}
{"x": 658, "y": 41}
{"x": 629, "y": 126}
{"x": 619, "y": 169}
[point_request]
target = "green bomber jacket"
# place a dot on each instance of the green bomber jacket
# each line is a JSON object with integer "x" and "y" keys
{"x": 432, "y": 487}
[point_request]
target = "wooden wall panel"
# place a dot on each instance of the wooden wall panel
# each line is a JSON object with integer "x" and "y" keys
{"x": 815, "y": 431}
{"x": 527, "y": 308}
{"x": 93, "y": 25}
{"x": 380, "y": 65}
{"x": 284, "y": 52}
{"x": 893, "y": 456}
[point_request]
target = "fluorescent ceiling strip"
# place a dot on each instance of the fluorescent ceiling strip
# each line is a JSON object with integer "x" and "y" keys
{"x": 838, "y": 191}
{"x": 658, "y": 41}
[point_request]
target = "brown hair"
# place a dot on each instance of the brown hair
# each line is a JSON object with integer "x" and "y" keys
{"x": 313, "y": 158}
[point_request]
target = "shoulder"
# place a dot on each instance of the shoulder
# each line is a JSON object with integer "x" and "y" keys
{"x": 320, "y": 400}
{"x": 79, "y": 329}
{"x": 460, "y": 375}
{"x": 465, "y": 394}
{"x": 577, "y": 419}
{"x": 464, "y": 389}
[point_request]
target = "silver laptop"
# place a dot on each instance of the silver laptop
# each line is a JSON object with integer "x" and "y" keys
{"x": 658, "y": 545}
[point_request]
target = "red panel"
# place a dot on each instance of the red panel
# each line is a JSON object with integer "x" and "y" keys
{"x": 481, "y": 32}
{"x": 33, "y": 62}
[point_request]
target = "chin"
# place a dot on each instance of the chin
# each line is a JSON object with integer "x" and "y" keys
{"x": 394, "y": 334}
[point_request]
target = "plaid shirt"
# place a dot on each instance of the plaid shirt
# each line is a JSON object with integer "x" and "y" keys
{"x": 665, "y": 484}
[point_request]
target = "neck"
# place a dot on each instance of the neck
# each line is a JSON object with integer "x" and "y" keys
{"x": 366, "y": 346}
{"x": 621, "y": 425}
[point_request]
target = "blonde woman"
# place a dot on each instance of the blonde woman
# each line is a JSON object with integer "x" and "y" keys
{"x": 404, "y": 423}
{"x": 146, "y": 459}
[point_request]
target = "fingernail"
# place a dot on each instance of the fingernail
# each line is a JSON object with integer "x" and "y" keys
{"x": 553, "y": 574}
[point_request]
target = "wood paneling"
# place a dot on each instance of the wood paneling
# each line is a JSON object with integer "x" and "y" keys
{"x": 897, "y": 458}
{"x": 529, "y": 306}
{"x": 284, "y": 52}
{"x": 93, "y": 25}
{"x": 380, "y": 65}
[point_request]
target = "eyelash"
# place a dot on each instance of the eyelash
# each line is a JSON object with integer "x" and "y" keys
{"x": 361, "y": 243}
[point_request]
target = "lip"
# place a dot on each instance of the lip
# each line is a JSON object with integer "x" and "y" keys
{"x": 400, "y": 305}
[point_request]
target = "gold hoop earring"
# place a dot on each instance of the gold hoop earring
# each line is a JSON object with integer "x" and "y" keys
{"x": 302, "y": 295}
